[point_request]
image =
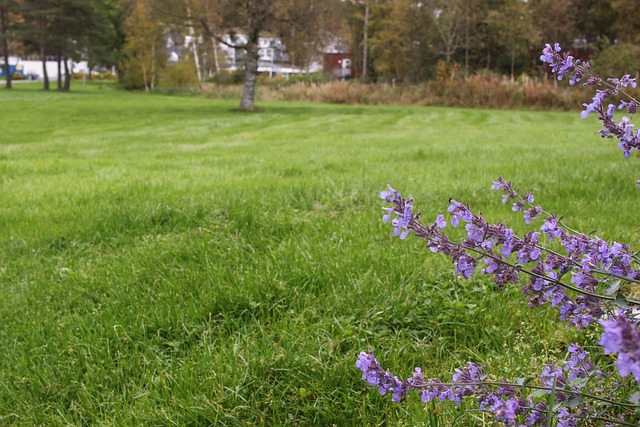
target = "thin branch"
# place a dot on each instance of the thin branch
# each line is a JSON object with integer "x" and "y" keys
{"x": 559, "y": 390}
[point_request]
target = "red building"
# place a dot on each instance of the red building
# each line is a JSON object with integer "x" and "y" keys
{"x": 339, "y": 65}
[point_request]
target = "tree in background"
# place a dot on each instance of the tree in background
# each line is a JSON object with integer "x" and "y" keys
{"x": 143, "y": 49}
{"x": 390, "y": 40}
{"x": 617, "y": 59}
{"x": 513, "y": 27}
{"x": 383, "y": 41}
{"x": 627, "y": 28}
{"x": 556, "y": 20}
{"x": 252, "y": 18}
{"x": 472, "y": 16}
{"x": 106, "y": 38}
{"x": 354, "y": 13}
{"x": 207, "y": 11}
{"x": 449, "y": 23}
{"x": 6, "y": 7}
{"x": 69, "y": 30}
{"x": 399, "y": 40}
{"x": 318, "y": 21}
{"x": 34, "y": 33}
{"x": 595, "y": 20}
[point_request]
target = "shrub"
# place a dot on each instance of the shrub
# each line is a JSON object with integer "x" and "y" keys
{"x": 181, "y": 75}
{"x": 617, "y": 59}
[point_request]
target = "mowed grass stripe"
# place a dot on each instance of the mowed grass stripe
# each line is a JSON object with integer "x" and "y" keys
{"x": 166, "y": 259}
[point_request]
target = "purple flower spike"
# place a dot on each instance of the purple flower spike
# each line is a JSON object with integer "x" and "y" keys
{"x": 561, "y": 63}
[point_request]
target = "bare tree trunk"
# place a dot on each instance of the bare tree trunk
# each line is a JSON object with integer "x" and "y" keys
{"x": 59, "y": 82}
{"x": 153, "y": 66}
{"x": 250, "y": 73}
{"x": 466, "y": 45}
{"x": 214, "y": 43}
{"x": 488, "y": 57}
{"x": 45, "y": 75}
{"x": 194, "y": 45}
{"x": 67, "y": 75}
{"x": 365, "y": 44}
{"x": 145, "y": 78}
{"x": 5, "y": 46}
{"x": 513, "y": 65}
{"x": 216, "y": 61}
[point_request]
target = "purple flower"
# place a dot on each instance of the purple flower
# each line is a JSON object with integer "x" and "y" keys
{"x": 401, "y": 223}
{"x": 538, "y": 415}
{"x": 622, "y": 337}
{"x": 579, "y": 364}
{"x": 391, "y": 196}
{"x": 623, "y": 82}
{"x": 560, "y": 64}
{"x": 528, "y": 197}
{"x": 465, "y": 266}
{"x": 459, "y": 211}
{"x": 631, "y": 106}
{"x": 491, "y": 267}
{"x": 566, "y": 419}
{"x": 549, "y": 53}
{"x": 474, "y": 233}
{"x": 366, "y": 362}
{"x": 596, "y": 104}
{"x": 501, "y": 184}
{"x": 550, "y": 228}
{"x": 518, "y": 206}
{"x": 387, "y": 217}
{"x": 505, "y": 411}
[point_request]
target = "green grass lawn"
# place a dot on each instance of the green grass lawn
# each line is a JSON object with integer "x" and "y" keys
{"x": 167, "y": 260}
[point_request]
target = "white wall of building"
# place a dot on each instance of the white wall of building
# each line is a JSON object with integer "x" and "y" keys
{"x": 35, "y": 67}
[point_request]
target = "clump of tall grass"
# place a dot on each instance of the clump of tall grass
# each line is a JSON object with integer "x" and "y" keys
{"x": 475, "y": 91}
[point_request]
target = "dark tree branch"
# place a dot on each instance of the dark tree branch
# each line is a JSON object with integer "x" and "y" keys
{"x": 208, "y": 31}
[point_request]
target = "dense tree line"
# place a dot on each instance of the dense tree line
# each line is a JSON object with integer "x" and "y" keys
{"x": 404, "y": 39}
{"x": 389, "y": 40}
{"x": 62, "y": 29}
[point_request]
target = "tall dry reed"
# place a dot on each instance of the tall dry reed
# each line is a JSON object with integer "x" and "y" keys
{"x": 476, "y": 91}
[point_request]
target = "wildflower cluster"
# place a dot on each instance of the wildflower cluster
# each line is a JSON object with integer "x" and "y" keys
{"x": 581, "y": 279}
{"x": 580, "y": 275}
{"x": 571, "y": 282}
{"x": 582, "y": 284}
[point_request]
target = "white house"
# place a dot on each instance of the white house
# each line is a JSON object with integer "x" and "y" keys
{"x": 273, "y": 58}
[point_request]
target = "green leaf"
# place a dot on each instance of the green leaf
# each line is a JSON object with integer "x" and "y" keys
{"x": 537, "y": 393}
{"x": 574, "y": 401}
{"x": 580, "y": 382}
{"x": 613, "y": 288}
{"x": 621, "y": 301}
